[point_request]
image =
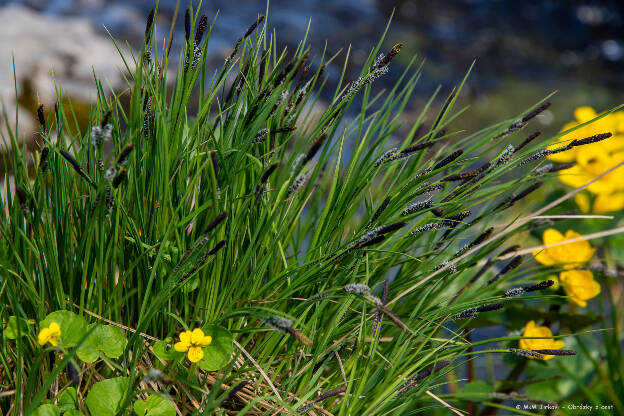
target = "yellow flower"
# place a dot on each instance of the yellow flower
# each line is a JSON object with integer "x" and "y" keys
{"x": 570, "y": 254}
{"x": 193, "y": 341}
{"x": 592, "y": 161}
{"x": 582, "y": 200}
{"x": 613, "y": 123}
{"x": 579, "y": 285}
{"x": 50, "y": 334}
{"x": 532, "y": 330}
{"x": 608, "y": 202}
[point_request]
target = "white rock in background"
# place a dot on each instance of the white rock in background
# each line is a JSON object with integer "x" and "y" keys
{"x": 43, "y": 46}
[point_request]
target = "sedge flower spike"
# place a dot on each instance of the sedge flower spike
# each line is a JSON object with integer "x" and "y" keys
{"x": 50, "y": 334}
{"x": 570, "y": 255}
{"x": 547, "y": 343}
{"x": 192, "y": 342}
{"x": 579, "y": 285}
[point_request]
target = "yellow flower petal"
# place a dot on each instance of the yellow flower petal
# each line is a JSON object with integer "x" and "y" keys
{"x": 49, "y": 334}
{"x": 608, "y": 202}
{"x": 181, "y": 346}
{"x": 584, "y": 114}
{"x": 579, "y": 285}
{"x": 196, "y": 336}
{"x": 186, "y": 337}
{"x": 205, "y": 341}
{"x": 582, "y": 200}
{"x": 195, "y": 354}
{"x": 532, "y": 330}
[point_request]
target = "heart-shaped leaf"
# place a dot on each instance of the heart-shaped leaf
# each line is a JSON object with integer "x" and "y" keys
{"x": 105, "y": 397}
{"x": 73, "y": 327}
{"x": 154, "y": 406}
{"x": 218, "y": 353}
{"x": 106, "y": 338}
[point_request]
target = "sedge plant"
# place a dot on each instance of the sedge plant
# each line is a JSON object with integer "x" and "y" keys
{"x": 215, "y": 243}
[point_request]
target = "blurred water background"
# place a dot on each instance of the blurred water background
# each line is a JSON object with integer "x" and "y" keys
{"x": 523, "y": 50}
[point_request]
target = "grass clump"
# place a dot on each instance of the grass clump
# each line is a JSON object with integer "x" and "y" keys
{"x": 331, "y": 262}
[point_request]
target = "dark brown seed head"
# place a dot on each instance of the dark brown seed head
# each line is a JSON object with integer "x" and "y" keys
{"x": 389, "y": 56}
{"x": 268, "y": 172}
{"x": 148, "y": 26}
{"x": 380, "y": 210}
{"x": 529, "y": 139}
{"x": 187, "y": 24}
{"x": 448, "y": 159}
{"x": 540, "y": 286}
{"x": 588, "y": 140}
{"x": 106, "y": 118}
{"x": 215, "y": 222}
{"x": 201, "y": 27}
{"x": 555, "y": 352}
{"x": 41, "y": 117}
{"x": 123, "y": 156}
{"x": 43, "y": 162}
{"x": 535, "y": 112}
{"x": 254, "y": 25}
{"x": 120, "y": 177}
{"x": 316, "y": 145}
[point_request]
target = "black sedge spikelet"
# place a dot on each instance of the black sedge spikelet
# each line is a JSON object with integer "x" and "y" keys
{"x": 268, "y": 172}
{"x": 201, "y": 27}
{"x": 539, "y": 286}
{"x": 213, "y": 224}
{"x": 314, "y": 148}
{"x": 380, "y": 210}
{"x": 148, "y": 26}
{"x": 589, "y": 140}
{"x": 448, "y": 159}
{"x": 187, "y": 24}
{"x": 556, "y": 352}
{"x": 389, "y": 56}
{"x": 249, "y": 31}
{"x": 22, "y": 199}
{"x": 462, "y": 175}
{"x": 417, "y": 206}
{"x": 413, "y": 380}
{"x": 43, "y": 162}
{"x": 535, "y": 112}
{"x": 41, "y": 117}
{"x": 121, "y": 176}
{"x": 76, "y": 166}
{"x": 236, "y": 389}
{"x": 514, "y": 263}
{"x": 322, "y": 397}
{"x": 529, "y": 139}
{"x": 526, "y": 353}
{"x": 123, "y": 156}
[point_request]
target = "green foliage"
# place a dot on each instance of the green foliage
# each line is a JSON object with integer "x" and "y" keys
{"x": 106, "y": 396}
{"x": 240, "y": 204}
{"x": 154, "y": 406}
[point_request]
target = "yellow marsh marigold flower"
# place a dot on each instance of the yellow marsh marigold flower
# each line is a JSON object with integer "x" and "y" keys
{"x": 193, "y": 341}
{"x": 50, "y": 334}
{"x": 579, "y": 285}
{"x": 532, "y": 330}
{"x": 570, "y": 255}
{"x": 612, "y": 123}
{"x": 591, "y": 161}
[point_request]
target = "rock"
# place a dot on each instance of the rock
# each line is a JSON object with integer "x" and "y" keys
{"x": 50, "y": 50}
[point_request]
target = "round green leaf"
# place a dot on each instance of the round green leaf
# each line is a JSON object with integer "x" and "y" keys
{"x": 68, "y": 399}
{"x": 218, "y": 353}
{"x": 106, "y": 338}
{"x": 164, "y": 352}
{"x": 16, "y": 327}
{"x": 154, "y": 406}
{"x": 73, "y": 327}
{"x": 105, "y": 397}
{"x": 46, "y": 410}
